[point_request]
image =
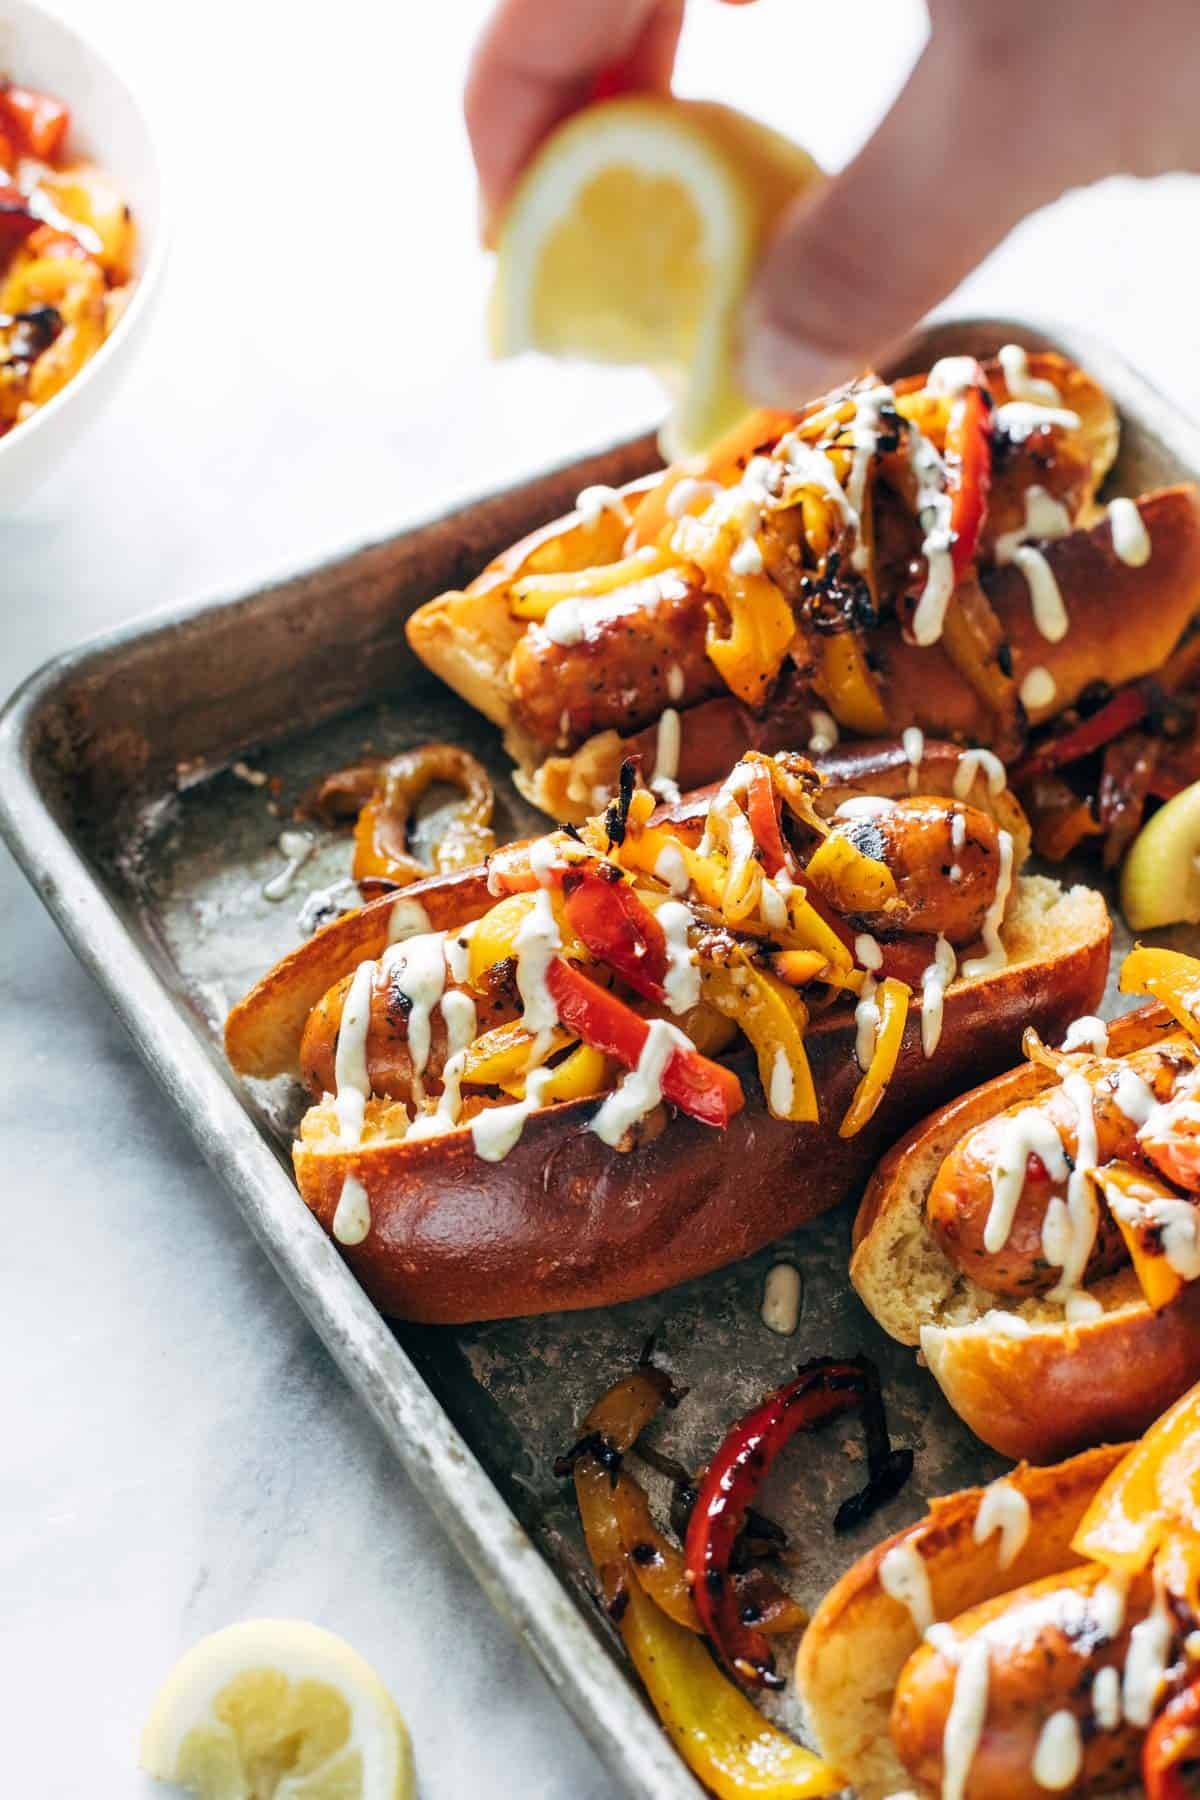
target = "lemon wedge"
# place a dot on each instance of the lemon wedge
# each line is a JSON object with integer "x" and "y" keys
{"x": 1160, "y": 883}
{"x": 275, "y": 1707}
{"x": 632, "y": 237}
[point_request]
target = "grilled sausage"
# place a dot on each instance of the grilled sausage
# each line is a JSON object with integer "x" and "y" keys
{"x": 389, "y": 1059}
{"x": 944, "y": 856}
{"x": 960, "y": 1199}
{"x": 1047, "y": 1642}
{"x": 641, "y": 650}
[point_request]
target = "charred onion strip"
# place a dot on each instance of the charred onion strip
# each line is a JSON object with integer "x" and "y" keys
{"x": 384, "y": 796}
{"x": 821, "y": 1391}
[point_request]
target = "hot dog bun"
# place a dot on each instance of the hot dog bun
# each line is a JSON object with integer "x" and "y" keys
{"x": 1026, "y": 1382}
{"x": 563, "y": 1221}
{"x": 860, "y": 1637}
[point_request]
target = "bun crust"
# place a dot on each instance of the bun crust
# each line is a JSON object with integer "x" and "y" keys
{"x": 1025, "y": 1381}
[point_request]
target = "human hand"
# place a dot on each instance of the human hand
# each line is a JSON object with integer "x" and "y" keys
{"x": 1008, "y": 107}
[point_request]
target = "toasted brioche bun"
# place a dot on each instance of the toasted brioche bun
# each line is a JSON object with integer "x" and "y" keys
{"x": 860, "y": 1638}
{"x": 1026, "y": 1382}
{"x": 1125, "y": 623}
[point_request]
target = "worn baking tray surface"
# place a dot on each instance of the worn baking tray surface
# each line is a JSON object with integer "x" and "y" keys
{"x": 121, "y": 798}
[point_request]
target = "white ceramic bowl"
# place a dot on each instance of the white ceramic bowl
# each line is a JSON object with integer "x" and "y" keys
{"x": 107, "y": 126}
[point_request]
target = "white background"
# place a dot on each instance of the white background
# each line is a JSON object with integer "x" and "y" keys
{"x": 177, "y": 1450}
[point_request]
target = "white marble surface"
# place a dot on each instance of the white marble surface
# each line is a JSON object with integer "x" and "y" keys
{"x": 179, "y": 1451}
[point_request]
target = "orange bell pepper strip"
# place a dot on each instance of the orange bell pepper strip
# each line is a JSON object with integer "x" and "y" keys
{"x": 1169, "y": 977}
{"x": 1131, "y": 1194}
{"x": 704, "y": 1090}
{"x": 1151, "y": 1493}
{"x": 762, "y": 809}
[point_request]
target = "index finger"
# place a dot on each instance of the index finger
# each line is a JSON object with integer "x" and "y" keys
{"x": 539, "y": 60}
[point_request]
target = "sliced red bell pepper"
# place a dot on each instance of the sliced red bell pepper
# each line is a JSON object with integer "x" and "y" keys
{"x": 697, "y": 1086}
{"x": 38, "y": 122}
{"x": 618, "y": 928}
{"x": 762, "y": 809}
{"x": 1172, "y": 1743}
{"x": 820, "y": 1391}
{"x": 968, "y": 452}
{"x": 1126, "y": 708}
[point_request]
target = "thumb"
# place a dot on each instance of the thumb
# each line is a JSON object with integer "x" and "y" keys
{"x": 857, "y": 262}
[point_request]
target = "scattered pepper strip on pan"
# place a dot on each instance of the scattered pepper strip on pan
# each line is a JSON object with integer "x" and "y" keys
{"x": 968, "y": 453}
{"x": 1172, "y": 1747}
{"x": 820, "y": 1391}
{"x": 1125, "y": 709}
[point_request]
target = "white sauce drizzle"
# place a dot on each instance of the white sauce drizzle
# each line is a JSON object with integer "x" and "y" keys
{"x": 671, "y": 869}
{"x": 1069, "y": 1227}
{"x": 995, "y": 956}
{"x": 912, "y": 741}
{"x": 416, "y": 968}
{"x": 295, "y": 847}
{"x": 682, "y": 982}
{"x": 1177, "y": 1223}
{"x": 675, "y": 682}
{"x": 934, "y": 981}
{"x": 566, "y": 621}
{"x": 1087, "y": 1033}
{"x": 823, "y": 731}
{"x": 1045, "y": 517}
{"x": 933, "y": 512}
{"x": 537, "y": 942}
{"x": 904, "y": 1577}
{"x": 496, "y": 1130}
{"x": 352, "y": 1083}
{"x": 666, "y": 756}
{"x": 1038, "y": 688}
{"x": 978, "y": 761}
{"x": 964, "y": 1722}
{"x": 1045, "y": 595}
{"x": 641, "y": 1090}
{"x": 1146, "y": 1663}
{"x": 867, "y": 951}
{"x": 1058, "y": 1757}
{"x": 866, "y": 441}
{"x": 1017, "y": 418}
{"x": 1133, "y": 1096}
{"x": 783, "y": 1085}
{"x": 864, "y": 806}
{"x": 1108, "y": 1604}
{"x": 781, "y": 1299}
{"x": 684, "y": 495}
{"x": 1130, "y": 539}
{"x": 1014, "y": 365}
{"x": 593, "y": 502}
{"x": 1025, "y": 1134}
{"x": 406, "y": 919}
{"x": 951, "y": 375}
{"x": 1106, "y": 1699}
{"x": 866, "y": 1025}
{"x": 1003, "y": 1509}
{"x": 458, "y": 951}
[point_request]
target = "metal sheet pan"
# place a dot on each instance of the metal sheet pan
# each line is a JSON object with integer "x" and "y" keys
{"x": 119, "y": 798}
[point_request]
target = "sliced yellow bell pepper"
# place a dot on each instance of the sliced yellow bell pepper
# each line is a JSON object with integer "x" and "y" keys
{"x": 797, "y": 967}
{"x": 892, "y": 998}
{"x": 761, "y": 629}
{"x": 734, "y": 1751}
{"x": 1168, "y": 976}
{"x": 813, "y": 933}
{"x": 584, "y": 1073}
{"x": 532, "y": 596}
{"x": 774, "y": 1019}
{"x": 501, "y": 1056}
{"x": 855, "y": 883}
{"x": 492, "y": 937}
{"x": 849, "y": 688}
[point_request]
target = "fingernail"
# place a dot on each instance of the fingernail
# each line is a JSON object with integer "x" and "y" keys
{"x": 780, "y": 369}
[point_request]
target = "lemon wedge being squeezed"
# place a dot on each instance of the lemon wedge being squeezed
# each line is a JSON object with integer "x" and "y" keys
{"x": 275, "y": 1709}
{"x": 632, "y": 237}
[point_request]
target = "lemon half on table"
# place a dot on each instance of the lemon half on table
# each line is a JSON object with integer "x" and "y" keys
{"x": 276, "y": 1709}
{"x": 632, "y": 238}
